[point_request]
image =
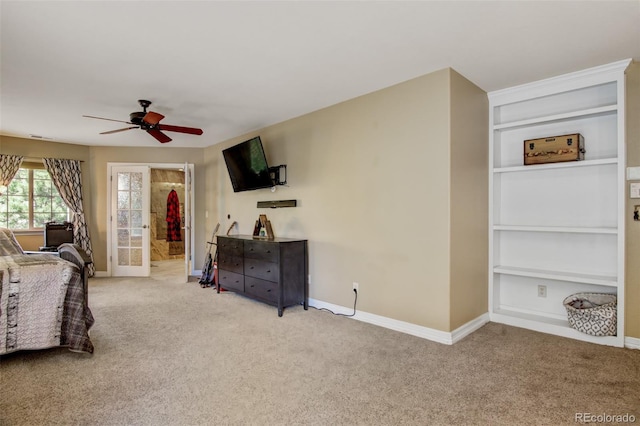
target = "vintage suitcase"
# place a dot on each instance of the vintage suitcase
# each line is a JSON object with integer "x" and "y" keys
{"x": 554, "y": 149}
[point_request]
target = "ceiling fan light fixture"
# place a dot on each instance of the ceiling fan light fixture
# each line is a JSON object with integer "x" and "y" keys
{"x": 150, "y": 122}
{"x": 136, "y": 117}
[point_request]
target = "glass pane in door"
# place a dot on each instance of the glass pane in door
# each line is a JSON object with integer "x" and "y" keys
{"x": 129, "y": 218}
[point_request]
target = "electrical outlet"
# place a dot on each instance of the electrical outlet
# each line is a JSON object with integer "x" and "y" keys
{"x": 355, "y": 287}
{"x": 542, "y": 291}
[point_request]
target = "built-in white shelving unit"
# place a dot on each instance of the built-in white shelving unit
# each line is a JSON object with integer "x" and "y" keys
{"x": 557, "y": 225}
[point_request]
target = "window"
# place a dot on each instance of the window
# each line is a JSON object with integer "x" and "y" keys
{"x": 31, "y": 200}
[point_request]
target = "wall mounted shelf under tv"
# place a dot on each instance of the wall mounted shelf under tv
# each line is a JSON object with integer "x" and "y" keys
{"x": 276, "y": 203}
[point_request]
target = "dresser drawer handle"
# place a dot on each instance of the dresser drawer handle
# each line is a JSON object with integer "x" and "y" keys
{"x": 268, "y": 251}
{"x": 251, "y": 267}
{"x": 269, "y": 291}
{"x": 268, "y": 271}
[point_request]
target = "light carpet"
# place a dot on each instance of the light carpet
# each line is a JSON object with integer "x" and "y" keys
{"x": 171, "y": 353}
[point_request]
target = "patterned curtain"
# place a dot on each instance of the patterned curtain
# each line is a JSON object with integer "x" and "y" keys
{"x": 66, "y": 176}
{"x": 9, "y": 165}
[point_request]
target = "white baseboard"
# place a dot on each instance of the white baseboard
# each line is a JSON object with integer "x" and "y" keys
{"x": 444, "y": 337}
{"x": 632, "y": 343}
{"x": 466, "y": 329}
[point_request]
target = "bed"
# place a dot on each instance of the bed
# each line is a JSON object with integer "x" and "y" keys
{"x": 43, "y": 298}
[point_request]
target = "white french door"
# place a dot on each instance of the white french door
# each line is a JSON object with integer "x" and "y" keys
{"x": 187, "y": 221}
{"x": 130, "y": 205}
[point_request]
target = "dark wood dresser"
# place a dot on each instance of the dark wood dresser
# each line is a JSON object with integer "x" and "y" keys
{"x": 272, "y": 271}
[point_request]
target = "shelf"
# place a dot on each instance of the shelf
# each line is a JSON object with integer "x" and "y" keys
{"x": 565, "y": 229}
{"x": 533, "y": 317}
{"x": 546, "y": 324}
{"x": 527, "y": 245}
{"x": 565, "y": 165}
{"x": 604, "y": 280}
{"x": 608, "y": 109}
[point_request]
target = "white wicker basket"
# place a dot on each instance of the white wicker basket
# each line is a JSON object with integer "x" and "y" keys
{"x": 593, "y": 313}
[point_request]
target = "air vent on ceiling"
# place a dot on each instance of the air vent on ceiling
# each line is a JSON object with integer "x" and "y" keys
{"x": 40, "y": 137}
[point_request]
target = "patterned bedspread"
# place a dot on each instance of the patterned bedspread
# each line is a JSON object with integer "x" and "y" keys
{"x": 42, "y": 304}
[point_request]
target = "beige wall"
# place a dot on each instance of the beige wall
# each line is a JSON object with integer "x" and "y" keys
{"x": 371, "y": 176}
{"x": 94, "y": 179}
{"x": 35, "y": 149}
{"x": 632, "y": 279}
{"x": 469, "y": 201}
{"x": 101, "y": 156}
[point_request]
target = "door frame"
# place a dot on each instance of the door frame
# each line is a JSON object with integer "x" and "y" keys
{"x": 189, "y": 248}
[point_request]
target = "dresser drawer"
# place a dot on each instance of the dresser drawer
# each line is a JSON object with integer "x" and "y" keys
{"x": 261, "y": 269}
{"x": 261, "y": 250}
{"x": 230, "y": 246}
{"x": 231, "y": 263}
{"x": 271, "y": 271}
{"x": 231, "y": 280}
{"x": 262, "y": 289}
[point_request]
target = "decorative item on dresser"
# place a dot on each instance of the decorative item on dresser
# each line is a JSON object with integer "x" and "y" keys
{"x": 272, "y": 271}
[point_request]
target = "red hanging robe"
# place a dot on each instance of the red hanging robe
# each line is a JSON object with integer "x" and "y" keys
{"x": 173, "y": 217}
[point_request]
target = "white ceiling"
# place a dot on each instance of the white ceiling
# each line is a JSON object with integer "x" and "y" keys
{"x": 234, "y": 67}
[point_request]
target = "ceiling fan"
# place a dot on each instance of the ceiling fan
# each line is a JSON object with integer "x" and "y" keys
{"x": 149, "y": 121}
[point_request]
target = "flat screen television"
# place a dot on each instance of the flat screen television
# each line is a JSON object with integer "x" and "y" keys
{"x": 247, "y": 166}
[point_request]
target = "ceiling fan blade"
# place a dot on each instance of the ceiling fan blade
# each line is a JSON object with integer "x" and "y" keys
{"x": 189, "y": 130}
{"x": 119, "y": 130}
{"x": 108, "y": 119}
{"x": 152, "y": 118}
{"x": 162, "y": 138}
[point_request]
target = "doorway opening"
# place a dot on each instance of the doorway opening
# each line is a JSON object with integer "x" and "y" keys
{"x": 167, "y": 233}
{"x": 167, "y": 221}
{"x": 140, "y": 234}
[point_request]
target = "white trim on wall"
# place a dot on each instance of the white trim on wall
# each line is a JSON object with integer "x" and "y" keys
{"x": 632, "y": 343}
{"x": 447, "y": 338}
